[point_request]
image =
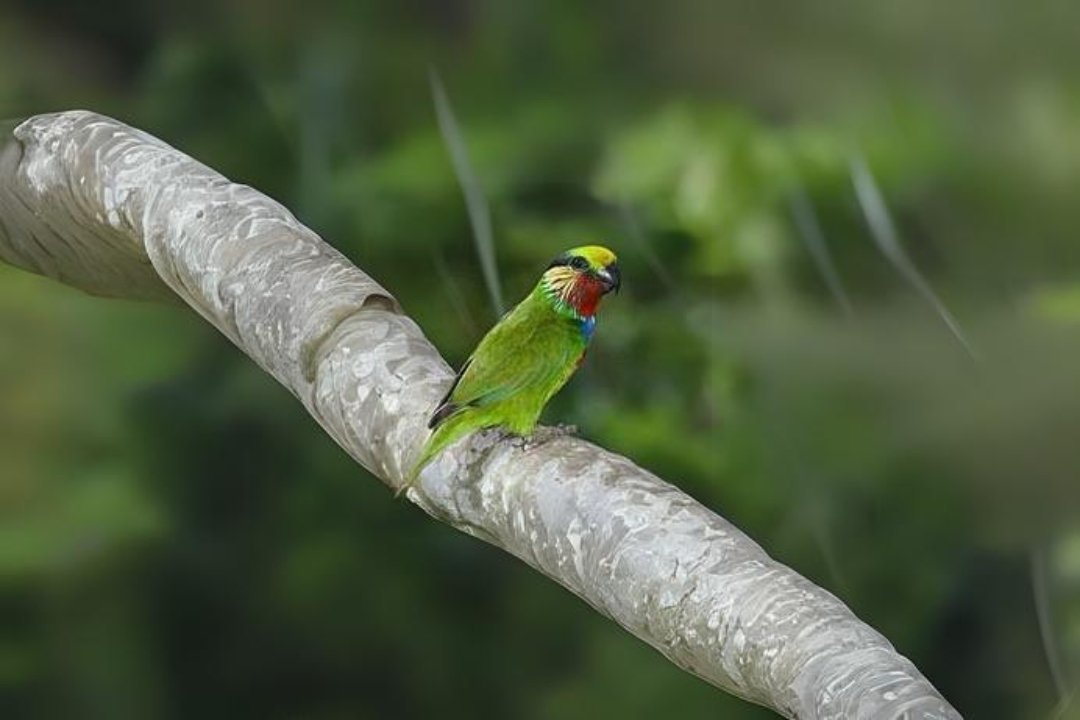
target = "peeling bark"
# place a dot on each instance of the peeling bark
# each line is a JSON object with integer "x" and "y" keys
{"x": 107, "y": 208}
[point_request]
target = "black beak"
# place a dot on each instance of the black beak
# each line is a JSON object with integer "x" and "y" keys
{"x": 611, "y": 277}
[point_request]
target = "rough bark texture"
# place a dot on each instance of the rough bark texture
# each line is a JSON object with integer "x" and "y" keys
{"x": 109, "y": 209}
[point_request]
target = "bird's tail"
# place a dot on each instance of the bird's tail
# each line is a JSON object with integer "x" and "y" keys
{"x": 451, "y": 430}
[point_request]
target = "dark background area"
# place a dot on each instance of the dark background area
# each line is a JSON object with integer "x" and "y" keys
{"x": 178, "y": 539}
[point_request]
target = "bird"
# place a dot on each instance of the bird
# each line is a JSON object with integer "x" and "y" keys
{"x": 530, "y": 353}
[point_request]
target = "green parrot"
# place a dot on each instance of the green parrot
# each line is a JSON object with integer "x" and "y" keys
{"x": 529, "y": 354}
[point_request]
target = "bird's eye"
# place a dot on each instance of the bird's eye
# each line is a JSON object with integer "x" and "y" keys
{"x": 579, "y": 263}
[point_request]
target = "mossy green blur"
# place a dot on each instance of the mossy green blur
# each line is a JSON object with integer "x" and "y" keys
{"x": 179, "y": 539}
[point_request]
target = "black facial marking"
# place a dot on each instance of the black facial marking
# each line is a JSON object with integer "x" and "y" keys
{"x": 575, "y": 261}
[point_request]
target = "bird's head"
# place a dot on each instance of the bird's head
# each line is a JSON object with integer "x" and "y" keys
{"x": 577, "y": 279}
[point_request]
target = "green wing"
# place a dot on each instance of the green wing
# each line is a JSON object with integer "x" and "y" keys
{"x": 517, "y": 353}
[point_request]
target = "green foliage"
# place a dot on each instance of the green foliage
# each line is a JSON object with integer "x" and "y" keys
{"x": 178, "y": 539}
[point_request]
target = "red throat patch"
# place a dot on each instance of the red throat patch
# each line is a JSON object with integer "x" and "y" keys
{"x": 585, "y": 294}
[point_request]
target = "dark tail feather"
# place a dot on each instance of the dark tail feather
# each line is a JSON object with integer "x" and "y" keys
{"x": 442, "y": 412}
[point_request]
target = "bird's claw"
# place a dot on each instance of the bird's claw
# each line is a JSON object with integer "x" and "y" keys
{"x": 546, "y": 434}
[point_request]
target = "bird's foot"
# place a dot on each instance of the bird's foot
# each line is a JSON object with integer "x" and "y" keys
{"x": 520, "y": 442}
{"x": 546, "y": 434}
{"x": 539, "y": 436}
{"x": 560, "y": 430}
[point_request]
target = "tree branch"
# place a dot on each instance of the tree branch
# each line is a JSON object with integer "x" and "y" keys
{"x": 109, "y": 209}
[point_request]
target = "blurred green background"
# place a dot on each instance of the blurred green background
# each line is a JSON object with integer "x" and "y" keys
{"x": 178, "y": 539}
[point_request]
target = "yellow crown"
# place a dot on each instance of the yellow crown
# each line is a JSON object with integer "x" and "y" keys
{"x": 597, "y": 255}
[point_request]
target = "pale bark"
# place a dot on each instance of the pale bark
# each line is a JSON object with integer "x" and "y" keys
{"x": 109, "y": 209}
